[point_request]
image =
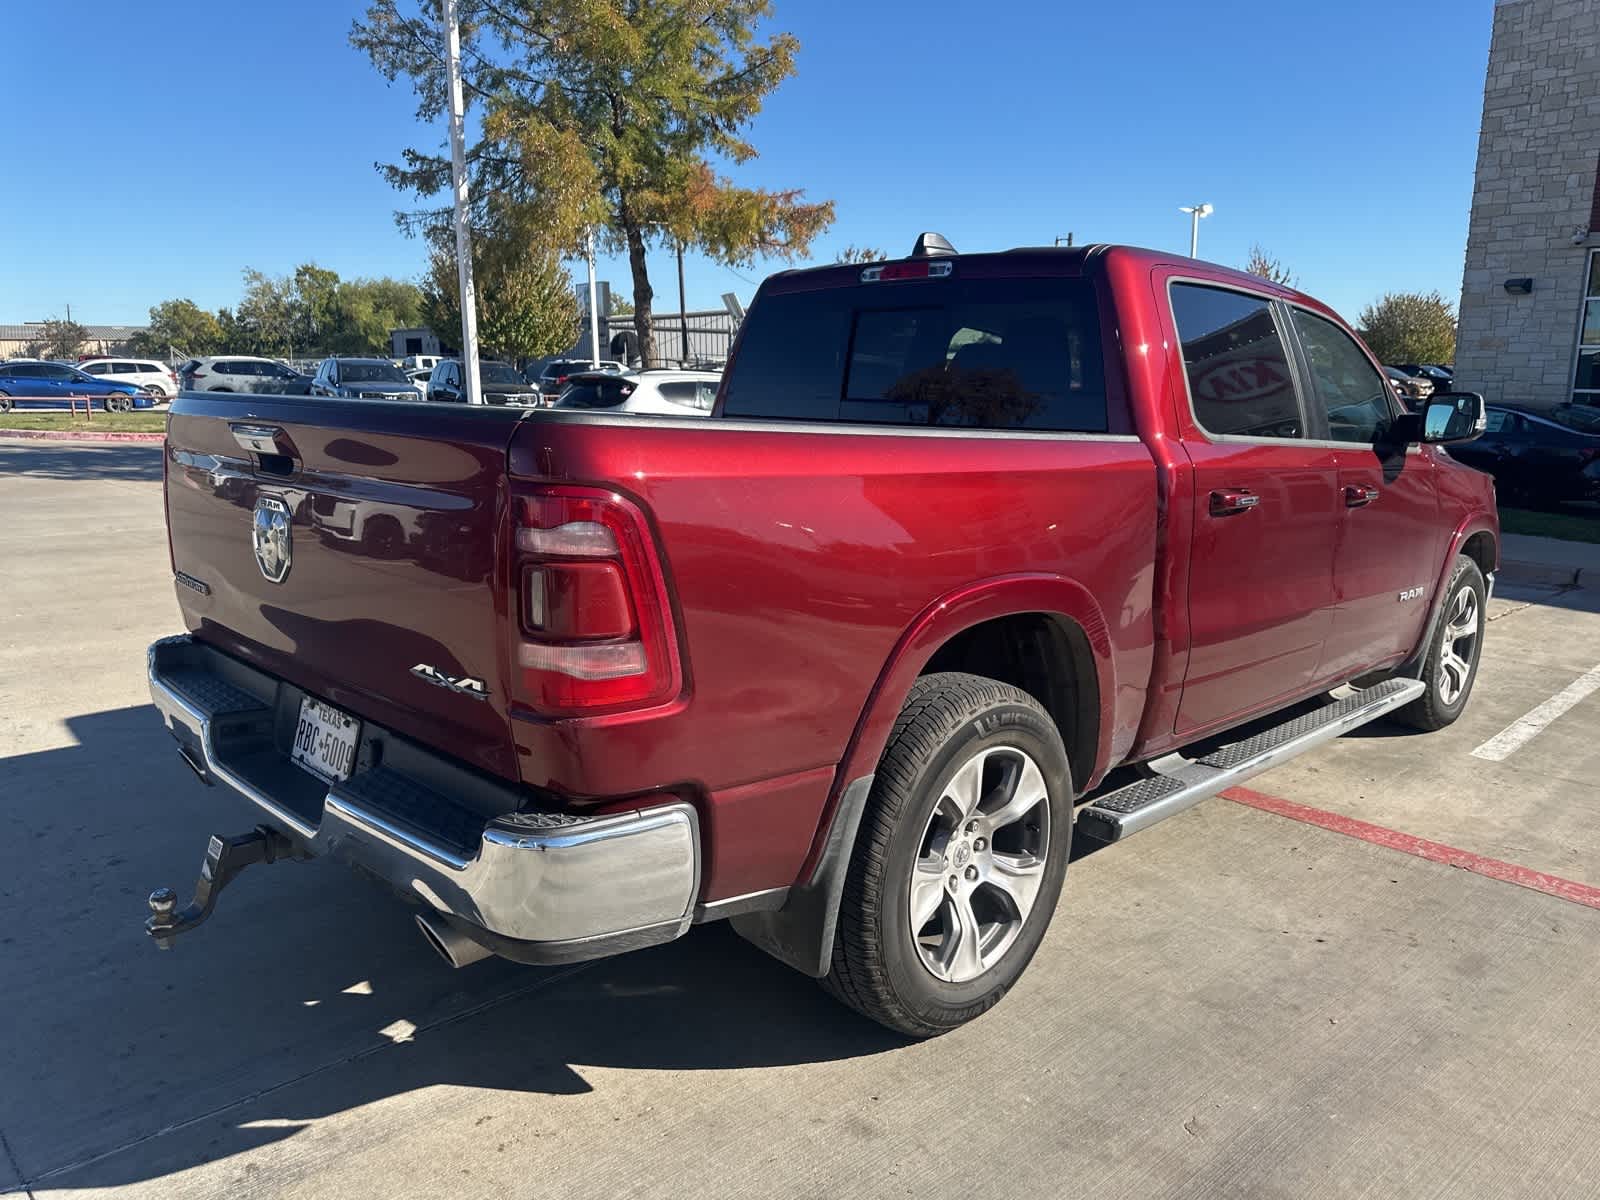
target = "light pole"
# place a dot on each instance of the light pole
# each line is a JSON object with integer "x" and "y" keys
{"x": 458, "y": 172}
{"x": 594, "y": 303}
{"x": 1195, "y": 211}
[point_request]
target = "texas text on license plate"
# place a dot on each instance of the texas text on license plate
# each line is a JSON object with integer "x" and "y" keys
{"x": 325, "y": 740}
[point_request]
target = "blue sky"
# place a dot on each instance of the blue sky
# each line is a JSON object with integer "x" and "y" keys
{"x": 157, "y": 150}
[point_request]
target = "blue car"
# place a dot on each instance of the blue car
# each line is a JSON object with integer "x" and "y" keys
{"x": 34, "y": 383}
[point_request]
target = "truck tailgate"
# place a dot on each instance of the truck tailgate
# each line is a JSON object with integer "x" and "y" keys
{"x": 394, "y": 515}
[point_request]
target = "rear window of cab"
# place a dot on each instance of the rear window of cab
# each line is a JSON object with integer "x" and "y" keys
{"x": 983, "y": 353}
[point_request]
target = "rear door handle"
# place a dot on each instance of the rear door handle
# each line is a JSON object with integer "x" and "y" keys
{"x": 1228, "y": 501}
{"x": 1358, "y": 494}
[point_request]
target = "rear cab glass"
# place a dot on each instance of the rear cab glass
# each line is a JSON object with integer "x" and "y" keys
{"x": 982, "y": 353}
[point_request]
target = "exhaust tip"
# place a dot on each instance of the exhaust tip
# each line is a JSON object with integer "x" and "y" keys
{"x": 455, "y": 947}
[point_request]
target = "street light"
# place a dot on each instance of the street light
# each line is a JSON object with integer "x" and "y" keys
{"x": 1195, "y": 211}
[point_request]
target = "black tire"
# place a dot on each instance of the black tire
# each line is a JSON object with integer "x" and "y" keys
{"x": 118, "y": 404}
{"x": 878, "y": 963}
{"x": 5, "y": 403}
{"x": 1439, "y": 705}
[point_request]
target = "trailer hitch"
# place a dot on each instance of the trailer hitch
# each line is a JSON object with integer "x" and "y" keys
{"x": 225, "y": 858}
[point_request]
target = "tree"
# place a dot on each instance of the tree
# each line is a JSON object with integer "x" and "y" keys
{"x": 60, "y": 339}
{"x": 526, "y": 304}
{"x": 314, "y": 307}
{"x": 1267, "y": 267}
{"x": 861, "y": 254}
{"x": 266, "y": 314}
{"x": 181, "y": 326}
{"x": 606, "y": 116}
{"x": 620, "y": 307}
{"x": 1410, "y": 327}
{"x": 367, "y": 309}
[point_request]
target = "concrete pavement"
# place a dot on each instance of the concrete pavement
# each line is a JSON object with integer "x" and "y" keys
{"x": 1231, "y": 1004}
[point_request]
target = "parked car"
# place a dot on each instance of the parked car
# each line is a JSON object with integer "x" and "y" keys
{"x": 1423, "y": 385}
{"x": 1539, "y": 456}
{"x": 664, "y": 392}
{"x": 1412, "y": 390}
{"x": 500, "y": 382}
{"x": 1442, "y": 379}
{"x": 155, "y": 379}
{"x": 849, "y": 662}
{"x": 553, "y": 377}
{"x": 242, "y": 373}
{"x": 419, "y": 376}
{"x": 420, "y": 362}
{"x": 363, "y": 379}
{"x": 36, "y": 383}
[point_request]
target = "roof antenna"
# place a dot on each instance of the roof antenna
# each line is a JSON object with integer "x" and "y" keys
{"x": 931, "y": 245}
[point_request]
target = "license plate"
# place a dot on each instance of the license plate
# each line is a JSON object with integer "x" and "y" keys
{"x": 325, "y": 740}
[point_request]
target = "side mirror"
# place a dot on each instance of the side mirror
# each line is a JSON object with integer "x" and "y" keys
{"x": 1453, "y": 417}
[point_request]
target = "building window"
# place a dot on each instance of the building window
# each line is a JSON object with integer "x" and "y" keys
{"x": 1586, "y": 384}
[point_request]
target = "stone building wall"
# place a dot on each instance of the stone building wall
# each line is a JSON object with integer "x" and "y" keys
{"x": 1533, "y": 200}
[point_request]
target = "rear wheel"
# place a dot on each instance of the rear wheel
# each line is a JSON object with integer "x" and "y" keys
{"x": 960, "y": 859}
{"x": 1451, "y": 666}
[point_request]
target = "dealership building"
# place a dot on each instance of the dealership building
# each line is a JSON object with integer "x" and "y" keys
{"x": 1530, "y": 297}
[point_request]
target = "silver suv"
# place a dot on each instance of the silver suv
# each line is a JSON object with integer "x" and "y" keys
{"x": 242, "y": 373}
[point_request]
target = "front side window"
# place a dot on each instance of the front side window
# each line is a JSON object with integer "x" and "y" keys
{"x": 1495, "y": 420}
{"x": 1233, "y": 355}
{"x": 97, "y": 368}
{"x": 1345, "y": 384}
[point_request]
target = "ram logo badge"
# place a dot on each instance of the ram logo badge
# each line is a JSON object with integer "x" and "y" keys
{"x": 269, "y": 535}
{"x": 464, "y": 684}
{"x": 1411, "y": 594}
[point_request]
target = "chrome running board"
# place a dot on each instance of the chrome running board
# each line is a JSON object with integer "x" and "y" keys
{"x": 1179, "y": 783}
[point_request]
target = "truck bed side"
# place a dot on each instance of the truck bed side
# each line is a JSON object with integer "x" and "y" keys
{"x": 799, "y": 558}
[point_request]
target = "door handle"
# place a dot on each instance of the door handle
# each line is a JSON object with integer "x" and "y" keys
{"x": 1358, "y": 494}
{"x": 1228, "y": 501}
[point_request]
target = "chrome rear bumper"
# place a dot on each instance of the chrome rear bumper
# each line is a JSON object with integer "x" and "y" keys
{"x": 534, "y": 886}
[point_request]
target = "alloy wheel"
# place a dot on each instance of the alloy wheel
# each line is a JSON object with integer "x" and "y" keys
{"x": 1459, "y": 646}
{"x": 980, "y": 865}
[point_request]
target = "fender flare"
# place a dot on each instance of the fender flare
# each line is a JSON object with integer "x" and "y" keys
{"x": 801, "y": 933}
{"x": 1475, "y": 522}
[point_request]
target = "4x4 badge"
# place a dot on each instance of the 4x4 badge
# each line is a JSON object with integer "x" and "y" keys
{"x": 269, "y": 534}
{"x": 463, "y": 684}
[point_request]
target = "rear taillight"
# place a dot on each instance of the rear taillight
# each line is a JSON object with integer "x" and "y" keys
{"x": 197, "y": 374}
{"x": 594, "y": 627}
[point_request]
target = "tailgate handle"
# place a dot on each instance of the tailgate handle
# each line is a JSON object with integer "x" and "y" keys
{"x": 273, "y": 447}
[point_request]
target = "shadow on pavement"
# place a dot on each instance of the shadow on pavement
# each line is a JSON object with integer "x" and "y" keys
{"x": 126, "y": 461}
{"x": 308, "y": 993}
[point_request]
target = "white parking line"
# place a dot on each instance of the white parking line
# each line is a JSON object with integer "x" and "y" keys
{"x": 1525, "y": 728}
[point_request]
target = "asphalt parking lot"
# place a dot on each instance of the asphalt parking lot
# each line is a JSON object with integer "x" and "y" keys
{"x": 1235, "y": 1003}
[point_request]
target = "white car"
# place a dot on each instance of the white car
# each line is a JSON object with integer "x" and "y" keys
{"x": 421, "y": 362}
{"x": 242, "y": 373}
{"x": 155, "y": 379}
{"x": 658, "y": 392}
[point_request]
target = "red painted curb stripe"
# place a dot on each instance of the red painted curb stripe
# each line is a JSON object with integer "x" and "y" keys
{"x": 1490, "y": 868}
{"x": 66, "y": 435}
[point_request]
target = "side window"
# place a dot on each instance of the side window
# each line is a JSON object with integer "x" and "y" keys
{"x": 97, "y": 368}
{"x": 57, "y": 371}
{"x": 1347, "y": 386}
{"x": 1239, "y": 376}
{"x": 1496, "y": 420}
{"x": 678, "y": 392}
{"x": 705, "y": 395}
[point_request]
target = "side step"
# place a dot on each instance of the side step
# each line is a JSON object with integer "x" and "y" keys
{"x": 1180, "y": 783}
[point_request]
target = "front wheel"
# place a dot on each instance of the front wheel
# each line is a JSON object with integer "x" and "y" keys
{"x": 118, "y": 404}
{"x": 960, "y": 859}
{"x": 1451, "y": 666}
{"x": 5, "y": 403}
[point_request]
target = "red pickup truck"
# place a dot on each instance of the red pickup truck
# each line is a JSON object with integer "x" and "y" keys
{"x": 973, "y": 550}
